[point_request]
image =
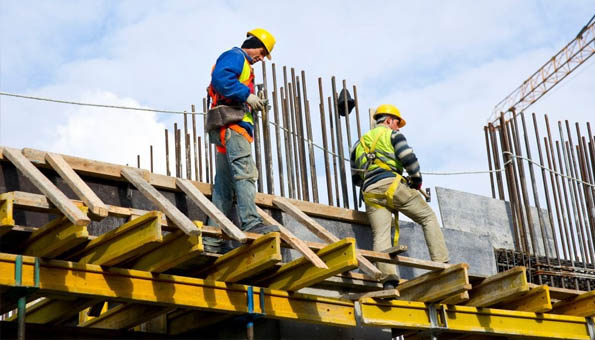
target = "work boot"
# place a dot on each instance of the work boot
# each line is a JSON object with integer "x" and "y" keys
{"x": 262, "y": 228}
{"x": 214, "y": 245}
{"x": 390, "y": 282}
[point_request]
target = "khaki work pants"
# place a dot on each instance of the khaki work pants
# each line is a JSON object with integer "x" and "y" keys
{"x": 380, "y": 207}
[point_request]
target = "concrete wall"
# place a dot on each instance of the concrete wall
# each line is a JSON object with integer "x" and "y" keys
{"x": 468, "y": 247}
{"x": 486, "y": 216}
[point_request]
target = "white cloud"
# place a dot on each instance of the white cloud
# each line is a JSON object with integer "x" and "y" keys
{"x": 445, "y": 65}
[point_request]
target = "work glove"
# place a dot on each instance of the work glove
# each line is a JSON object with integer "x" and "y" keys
{"x": 415, "y": 182}
{"x": 256, "y": 103}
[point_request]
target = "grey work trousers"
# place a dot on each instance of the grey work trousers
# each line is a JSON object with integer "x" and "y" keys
{"x": 380, "y": 207}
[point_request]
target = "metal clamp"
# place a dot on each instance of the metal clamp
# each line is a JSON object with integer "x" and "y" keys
{"x": 251, "y": 315}
{"x": 435, "y": 327}
{"x": 590, "y": 328}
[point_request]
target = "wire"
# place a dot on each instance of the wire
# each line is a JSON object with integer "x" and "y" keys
{"x": 93, "y": 105}
{"x": 548, "y": 169}
{"x": 435, "y": 173}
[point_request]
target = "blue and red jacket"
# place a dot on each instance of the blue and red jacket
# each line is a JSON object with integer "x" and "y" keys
{"x": 232, "y": 81}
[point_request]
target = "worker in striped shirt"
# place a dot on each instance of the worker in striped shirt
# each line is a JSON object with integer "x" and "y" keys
{"x": 377, "y": 163}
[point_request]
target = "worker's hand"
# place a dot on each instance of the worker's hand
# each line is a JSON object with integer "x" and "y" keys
{"x": 256, "y": 103}
{"x": 415, "y": 183}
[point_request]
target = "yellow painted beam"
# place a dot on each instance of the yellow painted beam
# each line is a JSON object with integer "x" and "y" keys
{"x": 535, "y": 300}
{"x": 473, "y": 320}
{"x": 499, "y": 288}
{"x": 176, "y": 248}
{"x": 582, "y": 305}
{"x": 437, "y": 285}
{"x": 51, "y": 310}
{"x": 6, "y": 210}
{"x": 127, "y": 285}
{"x": 84, "y": 314}
{"x": 124, "y": 316}
{"x": 56, "y": 237}
{"x": 247, "y": 260}
{"x": 123, "y": 243}
{"x": 339, "y": 257}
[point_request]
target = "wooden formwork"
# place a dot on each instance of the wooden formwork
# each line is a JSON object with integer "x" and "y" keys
{"x": 154, "y": 265}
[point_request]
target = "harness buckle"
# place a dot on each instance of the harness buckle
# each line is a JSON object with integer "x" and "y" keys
{"x": 371, "y": 156}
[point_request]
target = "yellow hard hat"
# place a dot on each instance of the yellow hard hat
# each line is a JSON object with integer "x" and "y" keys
{"x": 388, "y": 109}
{"x": 265, "y": 37}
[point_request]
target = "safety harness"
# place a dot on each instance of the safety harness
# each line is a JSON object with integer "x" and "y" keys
{"x": 381, "y": 159}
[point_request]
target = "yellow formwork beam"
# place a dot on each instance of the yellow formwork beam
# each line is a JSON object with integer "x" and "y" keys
{"x": 6, "y": 212}
{"x": 339, "y": 257}
{"x": 535, "y": 300}
{"x": 437, "y": 285}
{"x": 176, "y": 248}
{"x": 582, "y": 305}
{"x": 123, "y": 243}
{"x": 127, "y": 285}
{"x": 472, "y": 320}
{"x": 124, "y": 316}
{"x": 56, "y": 237}
{"x": 247, "y": 260}
{"x": 51, "y": 310}
{"x": 499, "y": 288}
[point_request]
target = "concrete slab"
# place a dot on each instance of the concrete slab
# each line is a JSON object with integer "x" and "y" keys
{"x": 486, "y": 216}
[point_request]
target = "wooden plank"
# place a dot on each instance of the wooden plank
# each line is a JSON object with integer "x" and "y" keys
{"x": 339, "y": 257}
{"x": 211, "y": 210}
{"x": 112, "y": 171}
{"x": 499, "y": 288}
{"x": 123, "y": 243}
{"x": 293, "y": 241}
{"x": 80, "y": 188}
{"x": 170, "y": 210}
{"x": 324, "y": 234}
{"x": 56, "y": 238}
{"x": 175, "y": 249}
{"x": 36, "y": 202}
{"x": 436, "y": 286}
{"x": 46, "y": 187}
{"x": 248, "y": 260}
{"x": 536, "y": 300}
{"x": 379, "y": 294}
{"x": 582, "y": 305}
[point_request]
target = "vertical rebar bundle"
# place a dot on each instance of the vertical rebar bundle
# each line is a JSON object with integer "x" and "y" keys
{"x": 558, "y": 246}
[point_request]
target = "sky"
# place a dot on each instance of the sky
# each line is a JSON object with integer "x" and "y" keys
{"x": 445, "y": 65}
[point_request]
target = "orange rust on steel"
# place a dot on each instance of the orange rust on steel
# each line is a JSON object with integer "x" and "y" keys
{"x": 485, "y": 131}
{"x": 340, "y": 149}
{"x": 310, "y": 146}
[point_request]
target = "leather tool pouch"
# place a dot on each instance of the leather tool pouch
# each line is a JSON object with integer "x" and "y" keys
{"x": 222, "y": 115}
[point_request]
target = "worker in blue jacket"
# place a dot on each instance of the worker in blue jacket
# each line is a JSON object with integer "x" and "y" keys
{"x": 232, "y": 84}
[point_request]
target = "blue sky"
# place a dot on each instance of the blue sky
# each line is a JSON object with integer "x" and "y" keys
{"x": 444, "y": 64}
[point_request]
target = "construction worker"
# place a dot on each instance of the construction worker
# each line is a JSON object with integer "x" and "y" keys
{"x": 232, "y": 86}
{"x": 377, "y": 162}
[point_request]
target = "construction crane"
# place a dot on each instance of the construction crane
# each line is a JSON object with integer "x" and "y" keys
{"x": 568, "y": 59}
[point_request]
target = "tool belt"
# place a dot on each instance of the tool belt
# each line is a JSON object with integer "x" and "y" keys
{"x": 223, "y": 115}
